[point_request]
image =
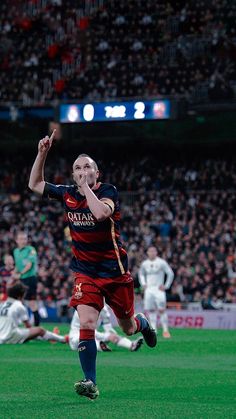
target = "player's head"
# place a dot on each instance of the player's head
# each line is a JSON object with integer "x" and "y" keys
{"x": 17, "y": 291}
{"x": 21, "y": 239}
{"x": 152, "y": 252}
{"x": 85, "y": 164}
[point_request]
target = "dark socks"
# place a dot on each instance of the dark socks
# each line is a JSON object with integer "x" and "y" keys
{"x": 87, "y": 354}
{"x": 36, "y": 318}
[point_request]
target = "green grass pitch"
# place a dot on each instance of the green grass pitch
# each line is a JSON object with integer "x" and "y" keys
{"x": 192, "y": 375}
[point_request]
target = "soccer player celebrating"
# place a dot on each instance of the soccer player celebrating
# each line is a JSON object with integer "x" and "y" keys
{"x": 99, "y": 261}
{"x": 152, "y": 279}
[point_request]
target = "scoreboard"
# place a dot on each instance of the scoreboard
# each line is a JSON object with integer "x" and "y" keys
{"x": 115, "y": 111}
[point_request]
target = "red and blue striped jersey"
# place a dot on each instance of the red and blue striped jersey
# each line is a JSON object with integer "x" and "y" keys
{"x": 96, "y": 246}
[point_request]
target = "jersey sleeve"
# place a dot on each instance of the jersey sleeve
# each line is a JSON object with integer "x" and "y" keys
{"x": 142, "y": 275}
{"x": 109, "y": 195}
{"x": 169, "y": 275}
{"x": 32, "y": 256}
{"x": 52, "y": 191}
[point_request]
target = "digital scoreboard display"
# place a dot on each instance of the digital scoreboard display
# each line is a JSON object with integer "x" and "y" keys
{"x": 115, "y": 111}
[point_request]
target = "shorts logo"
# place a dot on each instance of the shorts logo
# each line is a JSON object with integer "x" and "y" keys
{"x": 127, "y": 312}
{"x": 78, "y": 293}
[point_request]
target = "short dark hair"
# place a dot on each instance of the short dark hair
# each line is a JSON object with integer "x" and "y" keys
{"x": 17, "y": 290}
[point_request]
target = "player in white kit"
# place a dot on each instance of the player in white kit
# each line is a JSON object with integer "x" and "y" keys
{"x": 101, "y": 338}
{"x": 13, "y": 313}
{"x": 152, "y": 275}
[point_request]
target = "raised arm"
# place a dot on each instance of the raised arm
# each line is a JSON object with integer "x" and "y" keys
{"x": 36, "y": 180}
{"x": 99, "y": 209}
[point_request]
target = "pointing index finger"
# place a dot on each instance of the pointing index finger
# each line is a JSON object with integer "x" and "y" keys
{"x": 52, "y": 136}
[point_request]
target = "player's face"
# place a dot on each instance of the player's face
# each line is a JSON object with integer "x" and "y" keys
{"x": 9, "y": 261}
{"x": 21, "y": 240}
{"x": 152, "y": 253}
{"x": 85, "y": 165}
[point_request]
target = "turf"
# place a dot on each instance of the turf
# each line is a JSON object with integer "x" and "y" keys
{"x": 193, "y": 375}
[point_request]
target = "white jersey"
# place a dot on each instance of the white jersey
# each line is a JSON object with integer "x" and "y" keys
{"x": 12, "y": 313}
{"x": 152, "y": 273}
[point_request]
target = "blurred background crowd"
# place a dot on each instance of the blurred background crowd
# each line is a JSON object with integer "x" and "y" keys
{"x": 53, "y": 49}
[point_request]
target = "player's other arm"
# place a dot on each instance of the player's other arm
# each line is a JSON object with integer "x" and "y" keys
{"x": 142, "y": 277}
{"x": 27, "y": 267}
{"x": 169, "y": 275}
{"x": 36, "y": 181}
{"x": 100, "y": 209}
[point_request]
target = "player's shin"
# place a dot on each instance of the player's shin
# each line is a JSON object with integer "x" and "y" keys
{"x": 164, "y": 321}
{"x": 36, "y": 318}
{"x": 152, "y": 315}
{"x": 87, "y": 349}
{"x": 54, "y": 337}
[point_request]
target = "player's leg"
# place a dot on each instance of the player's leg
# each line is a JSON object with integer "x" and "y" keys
{"x": 31, "y": 297}
{"x": 87, "y": 349}
{"x": 101, "y": 339}
{"x": 121, "y": 301}
{"x": 150, "y": 307}
{"x": 139, "y": 323}
{"x": 123, "y": 342}
{"x": 33, "y": 305}
{"x": 161, "y": 306}
{"x": 164, "y": 324}
{"x": 44, "y": 334}
{"x": 110, "y": 332}
{"x": 74, "y": 340}
{"x": 88, "y": 300}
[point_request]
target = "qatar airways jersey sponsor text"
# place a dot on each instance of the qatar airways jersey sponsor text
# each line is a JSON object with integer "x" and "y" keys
{"x": 81, "y": 219}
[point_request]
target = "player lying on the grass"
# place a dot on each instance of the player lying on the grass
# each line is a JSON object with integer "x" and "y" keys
{"x": 101, "y": 338}
{"x": 13, "y": 314}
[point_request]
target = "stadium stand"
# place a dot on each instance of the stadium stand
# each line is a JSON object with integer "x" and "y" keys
{"x": 110, "y": 49}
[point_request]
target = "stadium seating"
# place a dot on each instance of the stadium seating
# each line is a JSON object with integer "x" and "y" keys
{"x": 112, "y": 49}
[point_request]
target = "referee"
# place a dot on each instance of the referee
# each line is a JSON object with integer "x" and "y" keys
{"x": 26, "y": 269}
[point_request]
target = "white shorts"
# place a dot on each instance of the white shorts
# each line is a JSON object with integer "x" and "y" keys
{"x": 19, "y": 335}
{"x": 154, "y": 299}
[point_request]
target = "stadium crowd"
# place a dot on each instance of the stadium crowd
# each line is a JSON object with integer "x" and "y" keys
{"x": 53, "y": 49}
{"x": 187, "y": 211}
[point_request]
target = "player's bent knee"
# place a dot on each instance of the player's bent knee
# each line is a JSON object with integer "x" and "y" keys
{"x": 41, "y": 331}
{"x": 88, "y": 324}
